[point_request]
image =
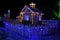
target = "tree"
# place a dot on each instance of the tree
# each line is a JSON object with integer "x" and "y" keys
{"x": 58, "y": 13}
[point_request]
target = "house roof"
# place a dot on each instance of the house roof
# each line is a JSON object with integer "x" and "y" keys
{"x": 34, "y": 9}
{"x": 30, "y": 9}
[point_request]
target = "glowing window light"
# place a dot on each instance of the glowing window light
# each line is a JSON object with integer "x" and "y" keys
{"x": 26, "y": 17}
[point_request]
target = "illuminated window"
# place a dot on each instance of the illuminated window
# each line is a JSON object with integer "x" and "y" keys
{"x": 26, "y": 17}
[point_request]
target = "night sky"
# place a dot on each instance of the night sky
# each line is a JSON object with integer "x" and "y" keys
{"x": 46, "y": 6}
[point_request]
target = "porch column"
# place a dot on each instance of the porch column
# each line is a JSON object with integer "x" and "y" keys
{"x": 21, "y": 17}
{"x": 40, "y": 16}
{"x": 32, "y": 15}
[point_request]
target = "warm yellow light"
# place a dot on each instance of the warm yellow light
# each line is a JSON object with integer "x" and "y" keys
{"x": 21, "y": 13}
{"x": 32, "y": 4}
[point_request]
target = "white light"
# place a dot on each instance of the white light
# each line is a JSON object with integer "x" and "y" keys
{"x": 8, "y": 11}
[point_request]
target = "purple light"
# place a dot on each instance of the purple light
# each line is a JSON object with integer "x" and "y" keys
{"x": 30, "y": 32}
{"x": 27, "y": 17}
{"x": 40, "y": 18}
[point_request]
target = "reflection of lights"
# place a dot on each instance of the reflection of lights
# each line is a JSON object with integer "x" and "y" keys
{"x": 30, "y": 29}
{"x": 6, "y": 23}
{"x": 41, "y": 29}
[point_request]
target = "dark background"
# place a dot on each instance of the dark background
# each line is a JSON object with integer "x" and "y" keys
{"x": 46, "y": 6}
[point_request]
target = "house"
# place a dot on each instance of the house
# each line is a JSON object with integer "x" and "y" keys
{"x": 30, "y": 13}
